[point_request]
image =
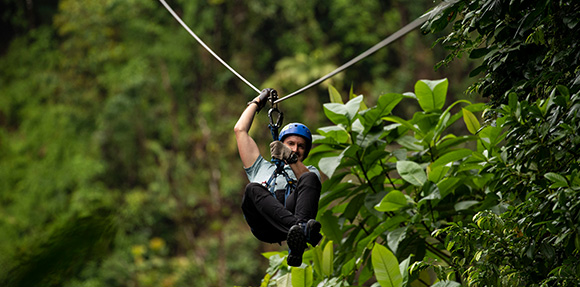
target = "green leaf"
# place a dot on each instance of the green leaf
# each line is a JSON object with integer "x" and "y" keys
{"x": 328, "y": 165}
{"x": 438, "y": 173}
{"x": 384, "y": 106}
{"x": 328, "y": 259}
{"x": 431, "y": 94}
{"x": 412, "y": 172}
{"x": 317, "y": 260}
{"x": 336, "y": 113}
{"x": 478, "y": 53}
{"x": 446, "y": 283}
{"x": 354, "y": 206}
{"x": 404, "y": 268}
{"x": 353, "y": 106}
{"x": 386, "y": 267}
{"x": 447, "y": 185}
{"x": 330, "y": 227}
{"x": 463, "y": 205}
{"x": 284, "y": 281}
{"x": 470, "y": 121}
{"x": 334, "y": 95}
{"x": 337, "y": 133}
{"x": 395, "y": 237}
{"x": 302, "y": 277}
{"x": 394, "y": 200}
{"x": 410, "y": 143}
{"x": 557, "y": 179}
{"x": 451, "y": 157}
{"x": 513, "y": 101}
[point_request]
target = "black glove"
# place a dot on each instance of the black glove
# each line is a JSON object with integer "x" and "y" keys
{"x": 262, "y": 99}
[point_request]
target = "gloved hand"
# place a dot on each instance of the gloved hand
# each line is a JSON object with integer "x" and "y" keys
{"x": 262, "y": 99}
{"x": 280, "y": 151}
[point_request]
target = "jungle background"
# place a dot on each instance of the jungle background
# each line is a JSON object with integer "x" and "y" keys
{"x": 118, "y": 163}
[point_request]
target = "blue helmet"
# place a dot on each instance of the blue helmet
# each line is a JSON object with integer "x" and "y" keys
{"x": 297, "y": 129}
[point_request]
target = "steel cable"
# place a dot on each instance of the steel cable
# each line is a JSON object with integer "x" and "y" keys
{"x": 393, "y": 37}
{"x": 205, "y": 46}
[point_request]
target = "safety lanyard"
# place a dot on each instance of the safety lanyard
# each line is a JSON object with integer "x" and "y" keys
{"x": 274, "y": 126}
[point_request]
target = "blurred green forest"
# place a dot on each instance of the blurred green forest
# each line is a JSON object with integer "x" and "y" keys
{"x": 118, "y": 163}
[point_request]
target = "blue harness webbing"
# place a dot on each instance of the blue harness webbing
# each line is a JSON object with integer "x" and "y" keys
{"x": 274, "y": 126}
{"x": 271, "y": 183}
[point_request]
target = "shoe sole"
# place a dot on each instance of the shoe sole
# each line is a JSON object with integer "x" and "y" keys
{"x": 314, "y": 232}
{"x": 296, "y": 243}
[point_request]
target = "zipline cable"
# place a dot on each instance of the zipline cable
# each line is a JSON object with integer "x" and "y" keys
{"x": 205, "y": 46}
{"x": 400, "y": 33}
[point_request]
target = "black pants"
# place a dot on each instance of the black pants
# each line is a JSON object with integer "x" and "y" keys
{"x": 267, "y": 216}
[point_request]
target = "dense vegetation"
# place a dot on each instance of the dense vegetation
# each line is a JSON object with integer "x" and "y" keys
{"x": 409, "y": 203}
{"x": 116, "y": 126}
{"x": 118, "y": 162}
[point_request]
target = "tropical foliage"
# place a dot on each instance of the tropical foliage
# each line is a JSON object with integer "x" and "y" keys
{"x": 495, "y": 207}
{"x": 116, "y": 142}
{"x": 393, "y": 183}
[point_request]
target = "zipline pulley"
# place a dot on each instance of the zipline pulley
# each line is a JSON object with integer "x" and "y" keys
{"x": 275, "y": 123}
{"x": 275, "y": 119}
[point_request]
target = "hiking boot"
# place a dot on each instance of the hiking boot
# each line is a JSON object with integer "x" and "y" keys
{"x": 312, "y": 232}
{"x": 296, "y": 241}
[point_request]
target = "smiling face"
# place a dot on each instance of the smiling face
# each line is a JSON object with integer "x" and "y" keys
{"x": 297, "y": 144}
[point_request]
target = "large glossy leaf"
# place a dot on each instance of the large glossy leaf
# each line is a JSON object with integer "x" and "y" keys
{"x": 354, "y": 206}
{"x": 403, "y": 122}
{"x": 393, "y": 201}
{"x": 337, "y": 133}
{"x": 284, "y": 281}
{"x": 431, "y": 94}
{"x": 386, "y": 267}
{"x": 395, "y": 237}
{"x": 328, "y": 165}
{"x": 353, "y": 106}
{"x": 328, "y": 259}
{"x": 389, "y": 224}
{"x": 446, "y": 283}
{"x": 557, "y": 179}
{"x": 462, "y": 205}
{"x": 334, "y": 95}
{"x": 411, "y": 172}
{"x": 447, "y": 185}
{"x": 302, "y": 277}
{"x": 384, "y": 106}
{"x": 336, "y": 113}
{"x": 343, "y": 113}
{"x": 451, "y": 157}
{"x": 335, "y": 192}
{"x": 438, "y": 173}
{"x": 470, "y": 121}
{"x": 410, "y": 143}
{"x": 330, "y": 227}
{"x": 317, "y": 260}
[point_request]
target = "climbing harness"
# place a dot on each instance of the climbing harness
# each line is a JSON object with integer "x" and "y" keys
{"x": 275, "y": 123}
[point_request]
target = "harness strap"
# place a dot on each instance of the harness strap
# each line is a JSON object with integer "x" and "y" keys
{"x": 290, "y": 185}
{"x": 275, "y": 125}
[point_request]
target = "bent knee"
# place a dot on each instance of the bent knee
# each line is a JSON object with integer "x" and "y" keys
{"x": 309, "y": 176}
{"x": 254, "y": 187}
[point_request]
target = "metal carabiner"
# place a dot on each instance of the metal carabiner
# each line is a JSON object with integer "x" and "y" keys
{"x": 275, "y": 126}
